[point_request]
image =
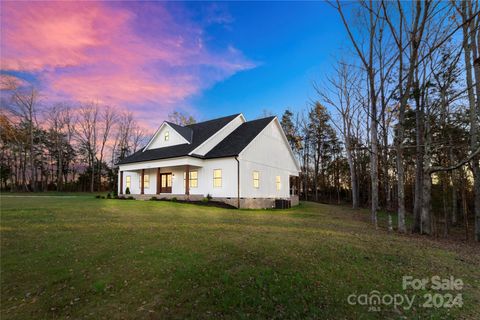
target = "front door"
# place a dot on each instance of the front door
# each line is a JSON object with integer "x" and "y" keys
{"x": 165, "y": 183}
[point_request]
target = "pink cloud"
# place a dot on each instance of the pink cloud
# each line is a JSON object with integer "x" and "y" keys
{"x": 9, "y": 82}
{"x": 133, "y": 54}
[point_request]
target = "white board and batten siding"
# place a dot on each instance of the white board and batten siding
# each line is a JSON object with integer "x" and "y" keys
{"x": 229, "y": 178}
{"x": 268, "y": 154}
{"x": 159, "y": 141}
{"x": 135, "y": 181}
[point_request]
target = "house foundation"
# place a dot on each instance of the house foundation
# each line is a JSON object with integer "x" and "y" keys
{"x": 245, "y": 203}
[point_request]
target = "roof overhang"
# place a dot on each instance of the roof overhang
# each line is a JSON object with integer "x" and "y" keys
{"x": 169, "y": 162}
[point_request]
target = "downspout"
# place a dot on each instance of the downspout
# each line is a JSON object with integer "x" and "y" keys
{"x": 238, "y": 182}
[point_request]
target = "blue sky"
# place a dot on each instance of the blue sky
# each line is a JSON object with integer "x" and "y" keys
{"x": 294, "y": 44}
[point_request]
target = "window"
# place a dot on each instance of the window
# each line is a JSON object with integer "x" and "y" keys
{"x": 278, "y": 182}
{"x": 217, "y": 178}
{"x": 167, "y": 135}
{"x": 256, "y": 179}
{"x": 127, "y": 182}
{"x": 193, "y": 179}
{"x": 146, "y": 181}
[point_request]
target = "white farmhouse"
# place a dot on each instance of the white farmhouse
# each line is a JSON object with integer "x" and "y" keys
{"x": 247, "y": 164}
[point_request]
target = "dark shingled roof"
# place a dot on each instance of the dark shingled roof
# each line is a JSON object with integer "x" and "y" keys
{"x": 186, "y": 132}
{"x": 241, "y": 137}
{"x": 232, "y": 145}
{"x": 200, "y": 132}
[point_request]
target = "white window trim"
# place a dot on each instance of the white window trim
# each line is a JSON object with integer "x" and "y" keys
{"x": 258, "y": 179}
{"x": 190, "y": 179}
{"x": 145, "y": 186}
{"x": 221, "y": 178}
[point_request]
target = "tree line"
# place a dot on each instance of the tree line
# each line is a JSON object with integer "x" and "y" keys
{"x": 61, "y": 146}
{"x": 395, "y": 126}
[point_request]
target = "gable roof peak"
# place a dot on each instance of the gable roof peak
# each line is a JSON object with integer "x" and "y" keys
{"x": 185, "y": 132}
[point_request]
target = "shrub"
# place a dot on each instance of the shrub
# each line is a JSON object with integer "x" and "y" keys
{"x": 131, "y": 198}
{"x": 205, "y": 199}
{"x": 109, "y": 196}
{"x": 115, "y": 193}
{"x": 174, "y": 199}
{"x": 153, "y": 199}
{"x": 103, "y": 197}
{"x": 209, "y": 197}
{"x": 127, "y": 191}
{"x": 97, "y": 196}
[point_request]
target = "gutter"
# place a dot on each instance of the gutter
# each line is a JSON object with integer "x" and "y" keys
{"x": 238, "y": 182}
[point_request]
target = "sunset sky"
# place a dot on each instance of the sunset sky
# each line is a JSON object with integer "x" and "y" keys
{"x": 207, "y": 59}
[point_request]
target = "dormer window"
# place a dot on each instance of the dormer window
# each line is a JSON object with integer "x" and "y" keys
{"x": 167, "y": 135}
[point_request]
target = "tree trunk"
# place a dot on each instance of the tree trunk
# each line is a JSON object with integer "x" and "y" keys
{"x": 476, "y": 191}
{"x": 419, "y": 160}
{"x": 60, "y": 166}
{"x": 353, "y": 176}
{"x": 24, "y": 171}
{"x": 426, "y": 219}
{"x": 426, "y": 227}
{"x": 474, "y": 122}
{"x": 469, "y": 48}
{"x": 374, "y": 154}
{"x": 32, "y": 156}
{"x": 92, "y": 182}
{"x": 465, "y": 211}
{"x": 444, "y": 202}
{"x": 454, "y": 187}
{"x": 401, "y": 183}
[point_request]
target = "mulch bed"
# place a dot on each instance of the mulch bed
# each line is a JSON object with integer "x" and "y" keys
{"x": 210, "y": 203}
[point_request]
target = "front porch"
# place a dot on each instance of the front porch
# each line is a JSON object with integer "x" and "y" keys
{"x": 162, "y": 182}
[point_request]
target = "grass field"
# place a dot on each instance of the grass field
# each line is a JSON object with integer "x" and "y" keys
{"x": 80, "y": 257}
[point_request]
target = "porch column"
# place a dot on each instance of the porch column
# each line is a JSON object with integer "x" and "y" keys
{"x": 158, "y": 181}
{"x": 187, "y": 180}
{"x": 298, "y": 186}
{"x": 121, "y": 182}
{"x": 142, "y": 182}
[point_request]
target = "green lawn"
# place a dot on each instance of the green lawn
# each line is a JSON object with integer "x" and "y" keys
{"x": 81, "y": 257}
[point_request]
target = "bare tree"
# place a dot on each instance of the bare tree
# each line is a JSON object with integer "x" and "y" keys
{"x": 138, "y": 138}
{"x": 340, "y": 94}
{"x": 366, "y": 53}
{"x": 468, "y": 11}
{"x": 108, "y": 118}
{"x": 413, "y": 37}
{"x": 87, "y": 135}
{"x": 181, "y": 118}
{"x": 26, "y": 105}
{"x": 58, "y": 119}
